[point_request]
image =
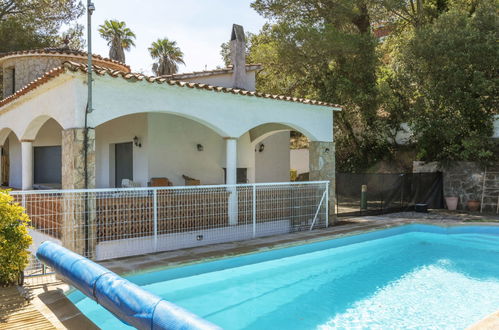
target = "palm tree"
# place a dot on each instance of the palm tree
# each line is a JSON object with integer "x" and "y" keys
{"x": 118, "y": 37}
{"x": 168, "y": 56}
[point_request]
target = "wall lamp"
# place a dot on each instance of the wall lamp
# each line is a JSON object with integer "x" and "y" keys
{"x": 261, "y": 148}
{"x": 200, "y": 147}
{"x": 137, "y": 142}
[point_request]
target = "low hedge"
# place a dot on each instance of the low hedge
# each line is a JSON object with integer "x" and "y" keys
{"x": 14, "y": 239}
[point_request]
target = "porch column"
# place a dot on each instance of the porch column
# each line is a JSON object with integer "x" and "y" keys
{"x": 27, "y": 164}
{"x": 322, "y": 167}
{"x": 73, "y": 158}
{"x": 79, "y": 208}
{"x": 231, "y": 177}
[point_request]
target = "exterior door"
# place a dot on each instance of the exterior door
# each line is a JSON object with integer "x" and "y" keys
{"x": 242, "y": 175}
{"x": 47, "y": 164}
{"x": 123, "y": 162}
{"x": 4, "y": 176}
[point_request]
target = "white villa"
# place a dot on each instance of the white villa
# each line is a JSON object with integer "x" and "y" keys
{"x": 199, "y": 125}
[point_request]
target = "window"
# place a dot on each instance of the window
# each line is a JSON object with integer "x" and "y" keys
{"x": 13, "y": 77}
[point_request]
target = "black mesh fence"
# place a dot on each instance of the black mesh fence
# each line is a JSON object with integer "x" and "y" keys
{"x": 387, "y": 193}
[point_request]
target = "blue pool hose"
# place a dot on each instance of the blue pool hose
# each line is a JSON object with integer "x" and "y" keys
{"x": 127, "y": 301}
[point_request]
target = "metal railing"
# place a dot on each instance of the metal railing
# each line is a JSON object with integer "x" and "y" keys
{"x": 111, "y": 223}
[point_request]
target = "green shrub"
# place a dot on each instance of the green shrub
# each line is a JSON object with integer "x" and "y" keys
{"x": 14, "y": 239}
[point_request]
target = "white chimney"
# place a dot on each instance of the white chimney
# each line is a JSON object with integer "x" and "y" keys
{"x": 238, "y": 56}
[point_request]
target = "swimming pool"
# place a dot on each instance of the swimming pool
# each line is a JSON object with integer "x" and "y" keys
{"x": 417, "y": 276}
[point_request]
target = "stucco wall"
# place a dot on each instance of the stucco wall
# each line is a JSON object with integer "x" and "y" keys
{"x": 15, "y": 174}
{"x": 174, "y": 141}
{"x": 228, "y": 114}
{"x": 63, "y": 99}
{"x": 118, "y": 131}
{"x": 169, "y": 149}
{"x": 246, "y": 156}
{"x": 225, "y": 80}
{"x": 272, "y": 164}
{"x": 299, "y": 160}
{"x": 50, "y": 134}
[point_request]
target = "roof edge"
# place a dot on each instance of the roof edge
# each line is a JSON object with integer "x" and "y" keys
{"x": 101, "y": 71}
{"x": 60, "y": 52}
{"x": 204, "y": 73}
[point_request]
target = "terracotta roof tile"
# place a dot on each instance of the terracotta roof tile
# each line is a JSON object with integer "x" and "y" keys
{"x": 77, "y": 67}
{"x": 34, "y": 84}
{"x": 196, "y": 74}
{"x": 62, "y": 51}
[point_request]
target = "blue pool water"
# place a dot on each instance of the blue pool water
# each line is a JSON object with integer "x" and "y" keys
{"x": 414, "y": 276}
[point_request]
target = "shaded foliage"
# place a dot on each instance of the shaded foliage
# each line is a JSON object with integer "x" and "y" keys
{"x": 28, "y": 24}
{"x": 433, "y": 77}
{"x": 31, "y": 24}
{"x": 325, "y": 50}
{"x": 451, "y": 66}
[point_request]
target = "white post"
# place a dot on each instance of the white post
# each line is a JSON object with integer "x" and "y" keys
{"x": 155, "y": 218}
{"x": 27, "y": 164}
{"x": 231, "y": 177}
{"x": 254, "y": 210}
{"x": 327, "y": 204}
{"x": 483, "y": 189}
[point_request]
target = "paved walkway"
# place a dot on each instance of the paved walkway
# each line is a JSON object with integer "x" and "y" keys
{"x": 16, "y": 312}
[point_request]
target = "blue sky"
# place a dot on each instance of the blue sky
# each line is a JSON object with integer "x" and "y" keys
{"x": 198, "y": 26}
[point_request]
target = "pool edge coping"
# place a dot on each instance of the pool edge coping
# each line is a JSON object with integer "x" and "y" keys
{"x": 304, "y": 241}
{"x": 320, "y": 236}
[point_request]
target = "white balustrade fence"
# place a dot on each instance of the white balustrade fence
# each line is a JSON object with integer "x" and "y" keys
{"x": 111, "y": 223}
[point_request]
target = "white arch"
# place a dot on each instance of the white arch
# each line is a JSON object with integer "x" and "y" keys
{"x": 34, "y": 126}
{"x": 4, "y": 134}
{"x": 182, "y": 115}
{"x": 260, "y": 132}
{"x": 107, "y": 119}
{"x": 265, "y": 129}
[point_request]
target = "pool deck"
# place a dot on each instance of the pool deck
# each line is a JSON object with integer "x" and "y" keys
{"x": 48, "y": 308}
{"x": 18, "y": 313}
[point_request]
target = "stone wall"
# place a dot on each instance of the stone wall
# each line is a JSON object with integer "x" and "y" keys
{"x": 322, "y": 164}
{"x": 73, "y": 164}
{"x": 28, "y": 68}
{"x": 465, "y": 180}
{"x": 78, "y": 229}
